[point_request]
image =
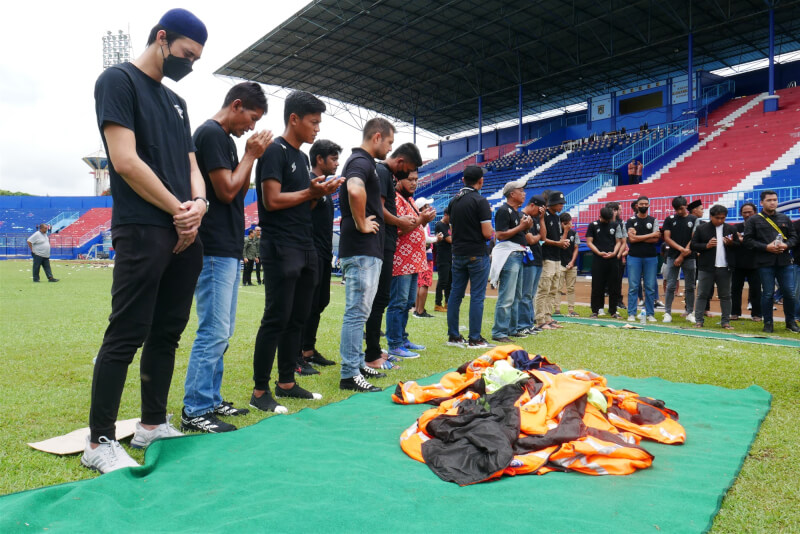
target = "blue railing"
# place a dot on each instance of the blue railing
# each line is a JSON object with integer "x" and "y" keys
{"x": 55, "y": 222}
{"x": 713, "y": 96}
{"x": 576, "y": 196}
{"x": 679, "y": 130}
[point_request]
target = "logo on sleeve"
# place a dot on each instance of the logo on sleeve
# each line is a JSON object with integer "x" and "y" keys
{"x": 689, "y": 224}
{"x": 179, "y": 110}
{"x": 294, "y": 167}
{"x": 611, "y": 231}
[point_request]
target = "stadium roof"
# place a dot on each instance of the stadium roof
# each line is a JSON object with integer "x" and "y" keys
{"x": 406, "y": 58}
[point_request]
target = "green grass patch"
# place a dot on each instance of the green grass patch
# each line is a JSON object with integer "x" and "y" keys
{"x": 51, "y": 333}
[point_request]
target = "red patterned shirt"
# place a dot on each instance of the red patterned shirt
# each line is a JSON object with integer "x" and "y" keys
{"x": 409, "y": 256}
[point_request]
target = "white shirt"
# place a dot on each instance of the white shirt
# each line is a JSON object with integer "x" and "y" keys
{"x": 720, "y": 261}
{"x": 40, "y": 244}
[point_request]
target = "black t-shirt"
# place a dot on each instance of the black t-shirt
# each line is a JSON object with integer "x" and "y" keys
{"x": 388, "y": 184}
{"x": 603, "y": 235}
{"x": 506, "y": 218}
{"x": 643, "y": 226}
{"x": 536, "y": 248}
{"x": 352, "y": 242}
{"x": 796, "y": 249}
{"x": 554, "y": 233}
{"x": 681, "y": 230}
{"x": 566, "y": 253}
{"x": 222, "y": 227}
{"x": 468, "y": 210}
{"x": 126, "y": 96}
{"x": 290, "y": 227}
{"x": 322, "y": 220}
{"x": 444, "y": 250}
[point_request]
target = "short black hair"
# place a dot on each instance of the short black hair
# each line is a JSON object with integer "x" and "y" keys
{"x": 718, "y": 209}
{"x": 606, "y": 213}
{"x": 410, "y": 153}
{"x": 301, "y": 103}
{"x": 378, "y": 125}
{"x": 565, "y": 217}
{"x": 679, "y": 202}
{"x": 250, "y": 93}
{"x": 171, "y": 35}
{"x": 323, "y": 148}
{"x": 768, "y": 192}
{"x": 642, "y": 197}
{"x": 741, "y": 209}
{"x": 612, "y": 205}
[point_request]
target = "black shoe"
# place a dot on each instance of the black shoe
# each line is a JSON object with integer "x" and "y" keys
{"x": 296, "y": 392}
{"x": 207, "y": 422}
{"x": 36, "y": 281}
{"x": 303, "y": 368}
{"x": 52, "y": 280}
{"x": 793, "y": 327}
{"x": 369, "y": 372}
{"x": 458, "y": 341}
{"x": 504, "y": 340}
{"x": 319, "y": 359}
{"x": 768, "y": 327}
{"x": 480, "y": 343}
{"x": 227, "y": 409}
{"x": 358, "y": 383}
{"x": 266, "y": 403}
{"x": 520, "y": 334}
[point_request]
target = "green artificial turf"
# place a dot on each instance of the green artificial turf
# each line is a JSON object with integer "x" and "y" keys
{"x": 51, "y": 332}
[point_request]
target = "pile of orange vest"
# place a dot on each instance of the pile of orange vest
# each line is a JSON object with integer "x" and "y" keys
{"x": 546, "y": 421}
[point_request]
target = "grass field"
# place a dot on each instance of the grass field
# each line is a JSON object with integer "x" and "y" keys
{"x": 51, "y": 332}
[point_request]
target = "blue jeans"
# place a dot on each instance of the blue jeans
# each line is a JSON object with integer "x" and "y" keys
{"x": 636, "y": 268}
{"x": 475, "y": 270}
{"x": 403, "y": 296}
{"x": 215, "y": 299}
{"x": 361, "y": 274}
{"x": 530, "y": 283}
{"x": 509, "y": 295}
{"x": 784, "y": 275}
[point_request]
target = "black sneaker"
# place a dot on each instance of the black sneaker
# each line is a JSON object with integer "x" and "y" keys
{"x": 793, "y": 327}
{"x": 768, "y": 327}
{"x": 480, "y": 343}
{"x": 458, "y": 341}
{"x": 369, "y": 372}
{"x": 266, "y": 403}
{"x": 53, "y": 280}
{"x": 227, "y": 409}
{"x": 303, "y": 368}
{"x": 207, "y": 422}
{"x": 319, "y": 359}
{"x": 358, "y": 383}
{"x": 296, "y": 392}
{"x": 505, "y": 340}
{"x": 520, "y": 334}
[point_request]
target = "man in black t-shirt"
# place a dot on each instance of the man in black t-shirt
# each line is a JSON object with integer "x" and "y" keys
{"x": 746, "y": 270}
{"x": 159, "y": 202}
{"x": 444, "y": 261}
{"x": 471, "y": 223}
{"x": 227, "y": 181}
{"x": 532, "y": 268}
{"x": 404, "y": 160}
{"x": 604, "y": 238}
{"x": 568, "y": 275}
{"x": 285, "y": 196}
{"x": 325, "y": 160}
{"x": 678, "y": 230}
{"x": 643, "y": 234}
{"x": 553, "y": 241}
{"x": 361, "y": 248}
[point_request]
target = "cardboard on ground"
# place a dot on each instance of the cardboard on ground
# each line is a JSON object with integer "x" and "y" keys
{"x": 75, "y": 441}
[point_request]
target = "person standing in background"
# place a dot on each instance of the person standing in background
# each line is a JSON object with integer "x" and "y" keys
{"x": 39, "y": 245}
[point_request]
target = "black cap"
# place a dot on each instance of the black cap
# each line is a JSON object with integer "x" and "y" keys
{"x": 473, "y": 173}
{"x": 537, "y": 200}
{"x": 695, "y": 203}
{"x": 556, "y": 197}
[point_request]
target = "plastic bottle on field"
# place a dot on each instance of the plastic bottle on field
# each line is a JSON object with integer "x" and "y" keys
{"x": 642, "y": 317}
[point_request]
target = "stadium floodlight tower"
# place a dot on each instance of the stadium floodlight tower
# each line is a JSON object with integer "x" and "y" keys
{"x": 99, "y": 164}
{"x": 116, "y": 48}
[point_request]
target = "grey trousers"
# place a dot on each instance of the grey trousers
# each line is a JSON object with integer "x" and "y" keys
{"x": 720, "y": 276}
{"x": 673, "y": 273}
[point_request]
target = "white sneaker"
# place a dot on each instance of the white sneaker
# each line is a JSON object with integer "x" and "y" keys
{"x": 601, "y": 312}
{"x": 667, "y": 318}
{"x": 108, "y": 456}
{"x": 143, "y": 437}
{"x": 690, "y": 318}
{"x": 631, "y": 318}
{"x": 651, "y": 319}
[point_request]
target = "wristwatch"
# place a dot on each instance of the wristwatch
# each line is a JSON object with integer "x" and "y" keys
{"x": 208, "y": 204}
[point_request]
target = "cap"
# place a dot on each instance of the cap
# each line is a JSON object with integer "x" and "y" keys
{"x": 511, "y": 186}
{"x": 537, "y": 200}
{"x": 694, "y": 204}
{"x": 185, "y": 23}
{"x": 556, "y": 197}
{"x": 422, "y": 201}
{"x": 473, "y": 173}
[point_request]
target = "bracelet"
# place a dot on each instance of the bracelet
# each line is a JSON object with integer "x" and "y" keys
{"x": 208, "y": 204}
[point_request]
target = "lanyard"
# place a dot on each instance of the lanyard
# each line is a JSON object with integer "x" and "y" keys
{"x": 771, "y": 223}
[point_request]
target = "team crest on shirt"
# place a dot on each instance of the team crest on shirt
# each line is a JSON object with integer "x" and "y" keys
{"x": 510, "y": 211}
{"x": 689, "y": 224}
{"x": 649, "y": 226}
{"x": 611, "y": 231}
{"x": 294, "y": 167}
{"x": 179, "y": 110}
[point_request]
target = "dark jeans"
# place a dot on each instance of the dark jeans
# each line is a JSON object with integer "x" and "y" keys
{"x": 375, "y": 320}
{"x": 737, "y": 286}
{"x": 784, "y": 276}
{"x": 290, "y": 276}
{"x": 706, "y": 280}
{"x": 605, "y": 274}
{"x": 475, "y": 271}
{"x": 620, "y": 277}
{"x": 257, "y": 269}
{"x": 38, "y": 262}
{"x": 445, "y": 278}
{"x": 151, "y": 297}
{"x": 247, "y": 273}
{"x": 319, "y": 301}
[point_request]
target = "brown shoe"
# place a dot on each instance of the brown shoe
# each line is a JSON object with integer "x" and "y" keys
{"x": 440, "y": 308}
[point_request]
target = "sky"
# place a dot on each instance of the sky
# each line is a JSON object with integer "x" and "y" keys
{"x": 52, "y": 56}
